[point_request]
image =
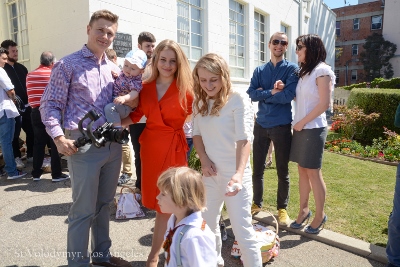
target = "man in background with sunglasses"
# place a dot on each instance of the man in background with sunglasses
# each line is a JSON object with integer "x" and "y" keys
{"x": 273, "y": 85}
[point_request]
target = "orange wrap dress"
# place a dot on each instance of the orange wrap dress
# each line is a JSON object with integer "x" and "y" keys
{"x": 163, "y": 142}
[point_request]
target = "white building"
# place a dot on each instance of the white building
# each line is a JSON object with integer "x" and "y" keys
{"x": 239, "y": 30}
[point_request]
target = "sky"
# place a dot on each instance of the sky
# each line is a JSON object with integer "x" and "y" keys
{"x": 339, "y": 3}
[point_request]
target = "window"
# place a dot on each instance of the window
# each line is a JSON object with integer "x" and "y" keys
{"x": 337, "y": 28}
{"x": 190, "y": 29}
{"x": 337, "y": 76}
{"x": 260, "y": 40}
{"x": 353, "y": 75}
{"x": 236, "y": 39}
{"x": 356, "y": 24}
{"x": 376, "y": 22}
{"x": 354, "y": 50}
{"x": 338, "y": 52}
{"x": 284, "y": 29}
{"x": 19, "y": 27}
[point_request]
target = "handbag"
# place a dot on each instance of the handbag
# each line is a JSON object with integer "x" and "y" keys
{"x": 128, "y": 206}
{"x": 267, "y": 239}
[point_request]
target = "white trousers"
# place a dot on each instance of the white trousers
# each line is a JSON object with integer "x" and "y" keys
{"x": 238, "y": 208}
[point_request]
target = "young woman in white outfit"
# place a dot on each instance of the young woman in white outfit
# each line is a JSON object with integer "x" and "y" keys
{"x": 222, "y": 132}
{"x": 313, "y": 93}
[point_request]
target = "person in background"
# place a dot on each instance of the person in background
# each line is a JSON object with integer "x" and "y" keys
{"x": 313, "y": 94}
{"x": 146, "y": 42}
{"x": 182, "y": 194}
{"x": 188, "y": 129}
{"x": 166, "y": 101}
{"x": 222, "y": 134}
{"x": 268, "y": 161}
{"x": 273, "y": 121}
{"x": 79, "y": 83}
{"x": 393, "y": 244}
{"x": 36, "y": 82}
{"x": 17, "y": 73}
{"x": 8, "y": 111}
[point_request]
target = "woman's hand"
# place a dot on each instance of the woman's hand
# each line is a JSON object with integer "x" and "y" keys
{"x": 298, "y": 126}
{"x": 236, "y": 179}
{"x": 208, "y": 167}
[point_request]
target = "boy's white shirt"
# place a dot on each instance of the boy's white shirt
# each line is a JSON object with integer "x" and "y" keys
{"x": 198, "y": 247}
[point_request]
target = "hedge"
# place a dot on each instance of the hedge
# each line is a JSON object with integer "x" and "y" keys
{"x": 383, "y": 101}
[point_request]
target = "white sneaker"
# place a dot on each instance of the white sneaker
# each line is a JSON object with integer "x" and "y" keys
{"x": 19, "y": 163}
{"x": 36, "y": 179}
{"x": 18, "y": 175}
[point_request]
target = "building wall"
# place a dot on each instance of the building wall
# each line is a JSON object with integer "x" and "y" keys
{"x": 348, "y": 37}
{"x": 63, "y": 29}
{"x": 391, "y": 31}
{"x": 322, "y": 22}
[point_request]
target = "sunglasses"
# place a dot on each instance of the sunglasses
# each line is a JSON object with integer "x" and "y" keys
{"x": 276, "y": 42}
{"x": 299, "y": 47}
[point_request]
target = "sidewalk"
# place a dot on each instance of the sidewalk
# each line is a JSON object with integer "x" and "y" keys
{"x": 33, "y": 230}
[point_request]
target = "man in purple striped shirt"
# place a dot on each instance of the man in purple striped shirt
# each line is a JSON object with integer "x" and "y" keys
{"x": 79, "y": 83}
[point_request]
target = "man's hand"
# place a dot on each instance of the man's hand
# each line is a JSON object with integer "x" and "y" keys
{"x": 65, "y": 146}
{"x": 120, "y": 100}
{"x": 279, "y": 85}
{"x": 132, "y": 103}
{"x": 114, "y": 74}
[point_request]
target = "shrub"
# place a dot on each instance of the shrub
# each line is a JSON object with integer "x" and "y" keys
{"x": 352, "y": 121}
{"x": 194, "y": 161}
{"x": 393, "y": 83}
{"x": 382, "y": 101}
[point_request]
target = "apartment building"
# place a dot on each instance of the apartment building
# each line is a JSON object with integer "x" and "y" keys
{"x": 353, "y": 25}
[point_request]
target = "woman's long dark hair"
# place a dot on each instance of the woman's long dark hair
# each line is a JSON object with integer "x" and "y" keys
{"x": 315, "y": 53}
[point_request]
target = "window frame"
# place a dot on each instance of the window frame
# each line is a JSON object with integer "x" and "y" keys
{"x": 19, "y": 32}
{"x": 354, "y": 49}
{"x": 237, "y": 60}
{"x": 337, "y": 28}
{"x": 190, "y": 48}
{"x": 258, "y": 43}
{"x": 372, "y": 23}
{"x": 353, "y": 75}
{"x": 356, "y": 24}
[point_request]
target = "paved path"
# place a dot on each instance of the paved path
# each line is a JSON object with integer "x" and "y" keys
{"x": 33, "y": 230}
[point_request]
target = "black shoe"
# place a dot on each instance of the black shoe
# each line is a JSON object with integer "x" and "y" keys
{"x": 60, "y": 178}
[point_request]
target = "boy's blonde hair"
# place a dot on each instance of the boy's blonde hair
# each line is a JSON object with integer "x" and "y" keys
{"x": 185, "y": 187}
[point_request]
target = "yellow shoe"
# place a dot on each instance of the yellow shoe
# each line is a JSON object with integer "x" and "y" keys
{"x": 283, "y": 217}
{"x": 255, "y": 209}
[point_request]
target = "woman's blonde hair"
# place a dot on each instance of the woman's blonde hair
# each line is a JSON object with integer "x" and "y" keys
{"x": 185, "y": 186}
{"x": 183, "y": 74}
{"x": 217, "y": 65}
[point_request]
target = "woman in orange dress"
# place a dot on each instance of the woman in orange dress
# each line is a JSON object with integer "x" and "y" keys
{"x": 166, "y": 101}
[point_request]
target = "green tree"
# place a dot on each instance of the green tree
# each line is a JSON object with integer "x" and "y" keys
{"x": 376, "y": 55}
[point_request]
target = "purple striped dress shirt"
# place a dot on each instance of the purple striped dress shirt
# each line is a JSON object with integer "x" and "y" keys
{"x": 78, "y": 84}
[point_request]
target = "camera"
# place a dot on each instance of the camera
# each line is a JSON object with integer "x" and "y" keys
{"x": 102, "y": 134}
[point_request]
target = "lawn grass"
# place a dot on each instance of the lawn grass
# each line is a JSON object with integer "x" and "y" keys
{"x": 359, "y": 196}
